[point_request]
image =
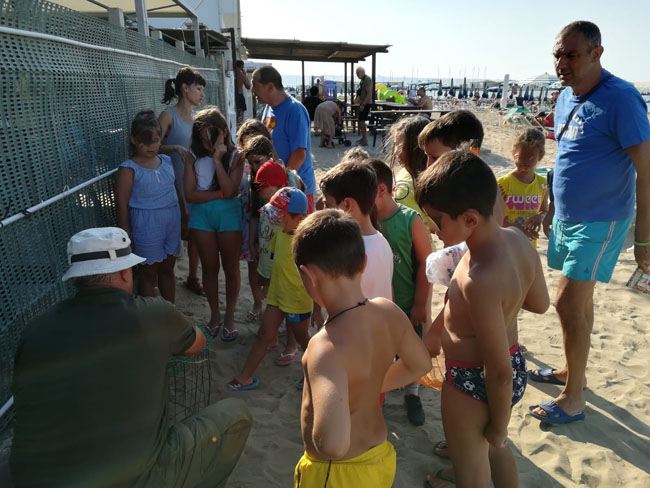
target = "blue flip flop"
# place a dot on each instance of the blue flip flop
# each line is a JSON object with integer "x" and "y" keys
{"x": 228, "y": 335}
{"x": 235, "y": 385}
{"x": 554, "y": 414}
{"x": 545, "y": 376}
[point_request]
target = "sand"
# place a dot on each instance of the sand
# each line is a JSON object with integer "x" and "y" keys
{"x": 610, "y": 448}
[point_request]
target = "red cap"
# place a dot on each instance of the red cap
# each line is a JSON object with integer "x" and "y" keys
{"x": 271, "y": 174}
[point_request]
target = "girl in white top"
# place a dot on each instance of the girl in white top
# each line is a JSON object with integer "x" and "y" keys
{"x": 212, "y": 186}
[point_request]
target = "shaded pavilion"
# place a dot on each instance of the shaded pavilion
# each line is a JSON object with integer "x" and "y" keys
{"x": 327, "y": 52}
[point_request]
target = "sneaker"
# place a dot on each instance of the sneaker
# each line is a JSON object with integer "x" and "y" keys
{"x": 414, "y": 409}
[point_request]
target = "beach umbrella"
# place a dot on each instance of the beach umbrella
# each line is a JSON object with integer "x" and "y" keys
{"x": 440, "y": 89}
{"x": 485, "y": 90}
{"x": 544, "y": 79}
{"x": 526, "y": 95}
{"x": 452, "y": 92}
{"x": 546, "y": 94}
{"x": 465, "y": 87}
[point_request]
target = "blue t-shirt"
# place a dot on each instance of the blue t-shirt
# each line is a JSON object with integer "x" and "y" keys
{"x": 594, "y": 178}
{"x": 290, "y": 126}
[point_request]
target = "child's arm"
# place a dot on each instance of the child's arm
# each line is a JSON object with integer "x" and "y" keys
{"x": 422, "y": 248}
{"x": 414, "y": 359}
{"x": 537, "y": 299}
{"x": 548, "y": 219}
{"x": 193, "y": 195}
{"x": 123, "y": 187}
{"x": 432, "y": 339}
{"x": 228, "y": 180}
{"x": 535, "y": 222}
{"x": 252, "y": 235}
{"x": 166, "y": 121}
{"x": 328, "y": 384}
{"x": 489, "y": 325}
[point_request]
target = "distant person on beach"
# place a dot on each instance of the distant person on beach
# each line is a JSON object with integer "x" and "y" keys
{"x": 365, "y": 103}
{"x": 603, "y": 134}
{"x": 176, "y": 133}
{"x": 350, "y": 361}
{"x": 500, "y": 274}
{"x": 289, "y": 123}
{"x": 328, "y": 116}
{"x": 422, "y": 101}
{"x": 312, "y": 101}
{"x": 90, "y": 386}
{"x": 240, "y": 99}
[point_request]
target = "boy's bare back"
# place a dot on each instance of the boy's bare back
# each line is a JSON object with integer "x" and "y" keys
{"x": 487, "y": 290}
{"x": 345, "y": 366}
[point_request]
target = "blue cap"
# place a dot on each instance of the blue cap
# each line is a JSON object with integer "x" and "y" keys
{"x": 297, "y": 202}
{"x": 285, "y": 200}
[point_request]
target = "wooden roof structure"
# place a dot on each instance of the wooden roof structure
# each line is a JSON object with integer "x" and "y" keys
{"x": 296, "y": 50}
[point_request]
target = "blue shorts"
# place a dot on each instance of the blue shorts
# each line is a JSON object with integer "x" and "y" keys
{"x": 156, "y": 233}
{"x": 294, "y": 318}
{"x": 586, "y": 251}
{"x": 221, "y": 215}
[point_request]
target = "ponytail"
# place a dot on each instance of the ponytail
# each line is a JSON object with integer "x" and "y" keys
{"x": 170, "y": 91}
{"x": 174, "y": 86}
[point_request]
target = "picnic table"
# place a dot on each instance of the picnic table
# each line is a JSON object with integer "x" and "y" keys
{"x": 382, "y": 119}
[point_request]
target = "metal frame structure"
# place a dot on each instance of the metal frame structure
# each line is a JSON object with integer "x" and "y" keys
{"x": 328, "y": 52}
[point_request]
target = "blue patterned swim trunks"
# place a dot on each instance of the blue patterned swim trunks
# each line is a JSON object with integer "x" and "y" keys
{"x": 469, "y": 378}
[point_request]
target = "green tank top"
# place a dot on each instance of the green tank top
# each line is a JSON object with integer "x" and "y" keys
{"x": 398, "y": 230}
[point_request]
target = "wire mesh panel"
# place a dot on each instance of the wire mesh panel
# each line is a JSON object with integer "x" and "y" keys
{"x": 65, "y": 111}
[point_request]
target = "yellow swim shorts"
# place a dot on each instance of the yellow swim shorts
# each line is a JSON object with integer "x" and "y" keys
{"x": 374, "y": 468}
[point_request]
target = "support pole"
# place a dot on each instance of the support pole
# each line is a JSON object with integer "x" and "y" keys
{"x": 302, "y": 64}
{"x": 116, "y": 17}
{"x": 506, "y": 91}
{"x": 345, "y": 83}
{"x": 374, "y": 80}
{"x": 197, "y": 35}
{"x": 141, "y": 13}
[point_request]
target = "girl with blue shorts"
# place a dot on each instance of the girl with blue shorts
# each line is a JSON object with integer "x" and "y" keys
{"x": 212, "y": 186}
{"x": 148, "y": 207}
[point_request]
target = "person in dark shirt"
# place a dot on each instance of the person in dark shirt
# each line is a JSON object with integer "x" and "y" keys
{"x": 312, "y": 101}
{"x": 90, "y": 386}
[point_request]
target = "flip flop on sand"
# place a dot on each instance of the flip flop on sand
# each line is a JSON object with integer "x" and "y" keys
{"x": 213, "y": 330}
{"x": 252, "y": 316}
{"x": 545, "y": 376}
{"x": 235, "y": 385}
{"x": 228, "y": 335}
{"x": 441, "y": 449}
{"x": 286, "y": 359}
{"x": 554, "y": 414}
{"x": 439, "y": 480}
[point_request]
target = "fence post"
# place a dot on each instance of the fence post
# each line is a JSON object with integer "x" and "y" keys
{"x": 143, "y": 22}
{"x": 116, "y": 17}
{"x": 180, "y": 45}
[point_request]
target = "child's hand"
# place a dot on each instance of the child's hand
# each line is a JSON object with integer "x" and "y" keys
{"x": 218, "y": 147}
{"x": 418, "y": 314}
{"x": 546, "y": 224}
{"x": 534, "y": 223}
{"x": 496, "y": 437}
{"x": 183, "y": 153}
{"x": 237, "y": 160}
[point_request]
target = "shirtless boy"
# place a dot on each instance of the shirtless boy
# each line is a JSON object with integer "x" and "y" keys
{"x": 349, "y": 362}
{"x": 479, "y": 338}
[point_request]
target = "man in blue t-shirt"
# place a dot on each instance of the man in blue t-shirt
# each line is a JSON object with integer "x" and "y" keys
{"x": 288, "y": 121}
{"x": 601, "y": 152}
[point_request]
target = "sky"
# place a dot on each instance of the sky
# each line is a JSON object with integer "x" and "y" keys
{"x": 432, "y": 39}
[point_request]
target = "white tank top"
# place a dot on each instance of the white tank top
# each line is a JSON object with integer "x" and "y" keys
{"x": 204, "y": 169}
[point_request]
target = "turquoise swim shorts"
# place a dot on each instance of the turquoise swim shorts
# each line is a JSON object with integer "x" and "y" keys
{"x": 586, "y": 251}
{"x": 221, "y": 215}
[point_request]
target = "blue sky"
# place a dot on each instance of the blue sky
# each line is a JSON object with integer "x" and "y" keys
{"x": 432, "y": 38}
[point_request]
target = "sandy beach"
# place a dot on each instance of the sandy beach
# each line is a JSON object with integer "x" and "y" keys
{"x": 610, "y": 448}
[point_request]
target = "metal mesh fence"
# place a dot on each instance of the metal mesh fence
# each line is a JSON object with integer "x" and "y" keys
{"x": 65, "y": 111}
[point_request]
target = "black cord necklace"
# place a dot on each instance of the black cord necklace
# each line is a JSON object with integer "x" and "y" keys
{"x": 359, "y": 304}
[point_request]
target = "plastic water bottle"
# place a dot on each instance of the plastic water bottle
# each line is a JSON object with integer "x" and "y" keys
{"x": 440, "y": 265}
